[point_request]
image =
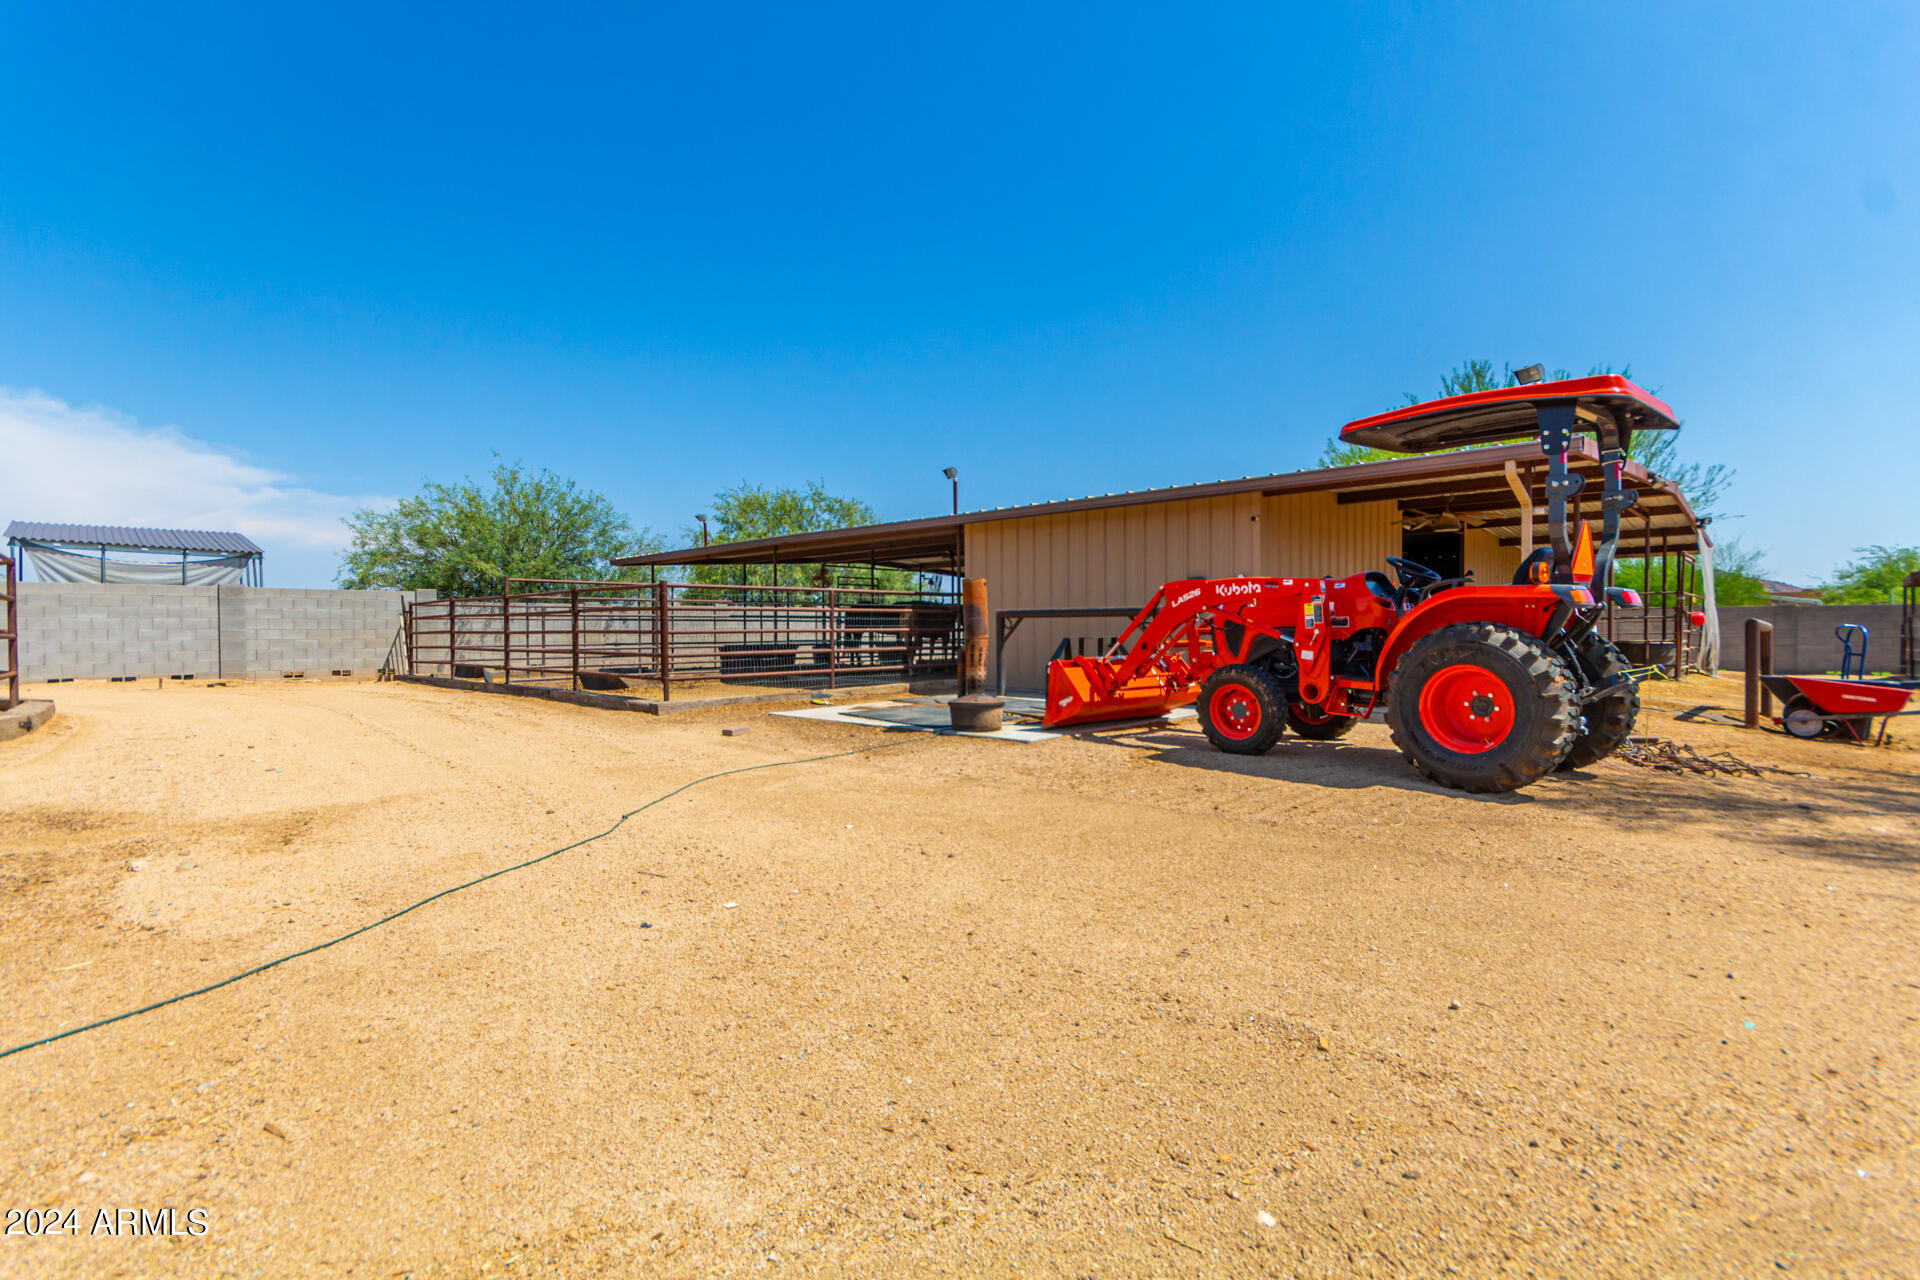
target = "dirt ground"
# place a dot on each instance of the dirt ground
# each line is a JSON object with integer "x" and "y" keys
{"x": 1103, "y": 1006}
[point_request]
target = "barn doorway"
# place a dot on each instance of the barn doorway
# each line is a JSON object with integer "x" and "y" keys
{"x": 1444, "y": 553}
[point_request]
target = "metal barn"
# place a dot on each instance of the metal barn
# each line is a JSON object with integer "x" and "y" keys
{"x": 1070, "y": 573}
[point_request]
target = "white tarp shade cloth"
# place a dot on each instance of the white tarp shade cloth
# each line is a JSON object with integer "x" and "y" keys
{"x": 52, "y": 564}
{"x": 1710, "y": 605}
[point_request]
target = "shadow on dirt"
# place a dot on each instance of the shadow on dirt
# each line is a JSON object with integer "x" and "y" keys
{"x": 1828, "y": 818}
{"x": 1863, "y": 822}
{"x": 1342, "y": 766}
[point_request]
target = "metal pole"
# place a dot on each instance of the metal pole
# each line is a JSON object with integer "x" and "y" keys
{"x": 506, "y": 638}
{"x": 573, "y": 613}
{"x": 973, "y": 666}
{"x": 11, "y": 649}
{"x": 833, "y": 638}
{"x": 666, "y": 649}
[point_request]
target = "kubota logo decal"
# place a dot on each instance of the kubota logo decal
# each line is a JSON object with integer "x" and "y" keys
{"x": 1240, "y": 589}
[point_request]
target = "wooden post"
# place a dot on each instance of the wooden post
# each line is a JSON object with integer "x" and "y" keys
{"x": 1758, "y": 661}
{"x": 1526, "y": 509}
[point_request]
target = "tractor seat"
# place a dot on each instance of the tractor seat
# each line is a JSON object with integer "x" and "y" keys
{"x": 1381, "y": 585}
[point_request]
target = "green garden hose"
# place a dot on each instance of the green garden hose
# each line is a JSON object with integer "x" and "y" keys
{"x": 388, "y": 919}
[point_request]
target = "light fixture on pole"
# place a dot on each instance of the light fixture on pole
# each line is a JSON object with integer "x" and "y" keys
{"x": 954, "y": 476}
{"x": 703, "y": 529}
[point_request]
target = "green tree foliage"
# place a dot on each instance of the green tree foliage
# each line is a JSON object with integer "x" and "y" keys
{"x": 1472, "y": 375}
{"x": 465, "y": 539}
{"x": 1738, "y": 575}
{"x": 1657, "y": 451}
{"x": 749, "y": 511}
{"x": 1874, "y": 578}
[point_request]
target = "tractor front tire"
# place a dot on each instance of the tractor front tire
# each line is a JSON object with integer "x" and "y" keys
{"x": 1610, "y": 720}
{"x": 1478, "y": 706}
{"x": 1242, "y": 709}
{"x": 1318, "y": 725}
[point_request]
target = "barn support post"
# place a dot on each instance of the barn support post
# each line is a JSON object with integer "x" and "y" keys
{"x": 833, "y": 638}
{"x": 1525, "y": 500}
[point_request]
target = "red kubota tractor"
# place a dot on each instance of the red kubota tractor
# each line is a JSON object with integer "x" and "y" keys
{"x": 1486, "y": 687}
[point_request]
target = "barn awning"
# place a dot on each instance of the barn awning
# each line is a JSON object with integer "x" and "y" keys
{"x": 1470, "y": 488}
{"x": 78, "y": 553}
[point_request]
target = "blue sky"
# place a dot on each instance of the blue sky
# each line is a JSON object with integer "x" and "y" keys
{"x": 260, "y": 264}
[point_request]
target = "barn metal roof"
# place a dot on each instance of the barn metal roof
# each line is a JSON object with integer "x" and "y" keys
{"x": 122, "y": 538}
{"x": 1471, "y": 484}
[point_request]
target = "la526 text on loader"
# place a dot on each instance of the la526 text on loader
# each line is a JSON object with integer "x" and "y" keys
{"x": 1486, "y": 687}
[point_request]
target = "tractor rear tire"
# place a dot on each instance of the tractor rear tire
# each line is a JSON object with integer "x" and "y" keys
{"x": 1483, "y": 707}
{"x": 1610, "y": 720}
{"x": 1317, "y": 725}
{"x": 1242, "y": 709}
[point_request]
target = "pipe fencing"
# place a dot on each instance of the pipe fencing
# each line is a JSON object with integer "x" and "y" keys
{"x": 628, "y": 635}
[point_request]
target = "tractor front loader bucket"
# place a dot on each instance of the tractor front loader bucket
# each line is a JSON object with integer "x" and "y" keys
{"x": 1082, "y": 691}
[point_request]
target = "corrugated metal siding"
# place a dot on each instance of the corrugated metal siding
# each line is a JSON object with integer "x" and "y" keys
{"x": 1115, "y": 557}
{"x": 1491, "y": 563}
{"x": 1120, "y": 556}
{"x": 1311, "y": 535}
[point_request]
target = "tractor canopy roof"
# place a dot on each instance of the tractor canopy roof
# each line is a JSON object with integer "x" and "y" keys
{"x": 1508, "y": 413}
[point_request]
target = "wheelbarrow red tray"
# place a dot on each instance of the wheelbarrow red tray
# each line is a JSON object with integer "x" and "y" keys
{"x": 1837, "y": 697}
{"x": 1813, "y": 705}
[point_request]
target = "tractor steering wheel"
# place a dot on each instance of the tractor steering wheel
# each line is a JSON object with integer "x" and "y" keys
{"x": 1413, "y": 579}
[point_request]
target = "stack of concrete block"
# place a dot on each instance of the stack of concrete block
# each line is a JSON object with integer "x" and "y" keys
{"x": 1804, "y": 642}
{"x": 106, "y": 630}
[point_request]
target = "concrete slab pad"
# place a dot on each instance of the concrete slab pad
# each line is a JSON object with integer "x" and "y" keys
{"x": 930, "y": 715}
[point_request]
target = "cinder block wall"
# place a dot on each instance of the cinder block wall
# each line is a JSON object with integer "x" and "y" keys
{"x": 98, "y": 630}
{"x": 1803, "y": 639}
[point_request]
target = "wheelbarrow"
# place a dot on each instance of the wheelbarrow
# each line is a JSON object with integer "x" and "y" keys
{"x": 1814, "y": 705}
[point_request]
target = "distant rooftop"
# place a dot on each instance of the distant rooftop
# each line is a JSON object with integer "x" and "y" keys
{"x": 121, "y": 538}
